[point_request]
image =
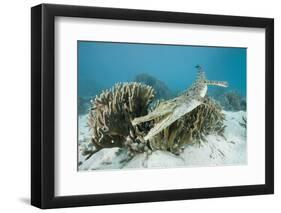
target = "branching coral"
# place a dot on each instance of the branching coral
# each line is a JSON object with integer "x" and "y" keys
{"x": 233, "y": 100}
{"x": 230, "y": 100}
{"x": 193, "y": 127}
{"x": 161, "y": 89}
{"x": 83, "y": 105}
{"x": 111, "y": 114}
{"x": 244, "y": 122}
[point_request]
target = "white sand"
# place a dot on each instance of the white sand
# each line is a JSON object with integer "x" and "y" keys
{"x": 83, "y": 128}
{"x": 217, "y": 151}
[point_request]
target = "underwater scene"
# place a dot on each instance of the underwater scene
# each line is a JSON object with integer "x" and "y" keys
{"x": 160, "y": 106}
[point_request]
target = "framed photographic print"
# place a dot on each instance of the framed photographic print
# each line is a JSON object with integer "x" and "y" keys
{"x": 139, "y": 106}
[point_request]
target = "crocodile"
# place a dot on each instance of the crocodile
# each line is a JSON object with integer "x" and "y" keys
{"x": 169, "y": 111}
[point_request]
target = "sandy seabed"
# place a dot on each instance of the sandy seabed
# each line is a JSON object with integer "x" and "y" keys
{"x": 217, "y": 151}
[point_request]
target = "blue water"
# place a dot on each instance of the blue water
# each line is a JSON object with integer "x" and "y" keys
{"x": 102, "y": 64}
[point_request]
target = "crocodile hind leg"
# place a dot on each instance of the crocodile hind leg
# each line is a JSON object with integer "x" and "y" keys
{"x": 172, "y": 117}
{"x": 149, "y": 117}
{"x": 167, "y": 121}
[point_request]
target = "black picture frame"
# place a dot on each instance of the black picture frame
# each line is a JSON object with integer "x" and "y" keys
{"x": 43, "y": 102}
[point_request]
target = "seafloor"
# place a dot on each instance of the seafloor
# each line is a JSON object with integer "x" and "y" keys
{"x": 217, "y": 151}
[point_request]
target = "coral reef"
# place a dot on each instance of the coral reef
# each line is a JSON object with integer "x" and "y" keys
{"x": 161, "y": 89}
{"x": 192, "y": 128}
{"x": 111, "y": 114}
{"x": 244, "y": 122}
{"x": 124, "y": 117}
{"x": 83, "y": 105}
{"x": 217, "y": 151}
{"x": 230, "y": 100}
